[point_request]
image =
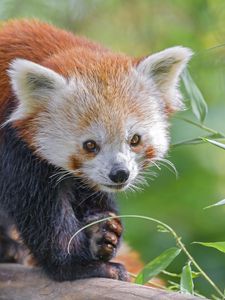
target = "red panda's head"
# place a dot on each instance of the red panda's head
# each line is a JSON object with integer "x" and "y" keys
{"x": 101, "y": 117}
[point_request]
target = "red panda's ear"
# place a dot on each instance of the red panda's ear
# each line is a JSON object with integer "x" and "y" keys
{"x": 164, "y": 69}
{"x": 33, "y": 86}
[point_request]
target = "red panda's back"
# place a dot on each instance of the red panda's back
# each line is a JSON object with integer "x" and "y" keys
{"x": 35, "y": 41}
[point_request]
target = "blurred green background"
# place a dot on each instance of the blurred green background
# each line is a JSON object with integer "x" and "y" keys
{"x": 139, "y": 27}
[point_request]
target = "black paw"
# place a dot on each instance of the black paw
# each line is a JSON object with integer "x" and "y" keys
{"x": 104, "y": 237}
{"x": 118, "y": 271}
{"x": 10, "y": 250}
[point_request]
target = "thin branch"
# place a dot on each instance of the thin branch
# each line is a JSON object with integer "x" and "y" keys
{"x": 203, "y": 127}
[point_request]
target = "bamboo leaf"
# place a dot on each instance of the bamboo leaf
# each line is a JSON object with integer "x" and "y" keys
{"x": 157, "y": 265}
{"x": 198, "y": 104}
{"x": 219, "y": 203}
{"x": 218, "y": 144}
{"x": 217, "y": 245}
{"x": 186, "y": 282}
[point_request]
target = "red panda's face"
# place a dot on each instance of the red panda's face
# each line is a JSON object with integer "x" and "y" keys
{"x": 105, "y": 125}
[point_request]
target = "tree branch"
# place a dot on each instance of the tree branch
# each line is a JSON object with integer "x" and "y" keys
{"x": 22, "y": 283}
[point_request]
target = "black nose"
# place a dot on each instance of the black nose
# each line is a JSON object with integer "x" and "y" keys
{"x": 119, "y": 175}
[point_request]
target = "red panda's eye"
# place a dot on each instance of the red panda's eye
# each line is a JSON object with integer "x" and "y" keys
{"x": 135, "y": 141}
{"x": 91, "y": 146}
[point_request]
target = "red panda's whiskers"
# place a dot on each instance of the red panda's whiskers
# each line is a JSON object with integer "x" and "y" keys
{"x": 87, "y": 183}
{"x": 58, "y": 173}
{"x": 132, "y": 188}
{"x": 156, "y": 165}
{"x": 93, "y": 196}
{"x": 145, "y": 177}
{"x": 135, "y": 188}
{"x": 62, "y": 178}
{"x": 168, "y": 164}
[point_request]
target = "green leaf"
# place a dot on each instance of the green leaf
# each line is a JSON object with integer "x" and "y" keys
{"x": 198, "y": 104}
{"x": 219, "y": 203}
{"x": 217, "y": 245}
{"x": 218, "y": 144}
{"x": 186, "y": 282}
{"x": 157, "y": 265}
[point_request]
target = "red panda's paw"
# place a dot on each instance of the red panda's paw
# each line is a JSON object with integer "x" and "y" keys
{"x": 104, "y": 237}
{"x": 118, "y": 272}
{"x": 11, "y": 251}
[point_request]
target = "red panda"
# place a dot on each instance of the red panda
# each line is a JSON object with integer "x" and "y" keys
{"x": 78, "y": 123}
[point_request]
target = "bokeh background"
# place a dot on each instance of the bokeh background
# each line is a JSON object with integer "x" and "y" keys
{"x": 140, "y": 27}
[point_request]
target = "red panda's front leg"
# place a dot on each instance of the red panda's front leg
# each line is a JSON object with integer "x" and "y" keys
{"x": 49, "y": 244}
{"x": 81, "y": 265}
{"x": 88, "y": 255}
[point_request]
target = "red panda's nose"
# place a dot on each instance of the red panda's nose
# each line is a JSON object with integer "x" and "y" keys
{"x": 118, "y": 175}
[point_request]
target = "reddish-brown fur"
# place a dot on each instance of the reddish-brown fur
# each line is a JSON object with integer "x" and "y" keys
{"x": 75, "y": 162}
{"x": 150, "y": 152}
{"x": 38, "y": 42}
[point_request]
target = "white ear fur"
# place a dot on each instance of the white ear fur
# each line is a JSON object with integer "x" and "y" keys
{"x": 33, "y": 85}
{"x": 164, "y": 68}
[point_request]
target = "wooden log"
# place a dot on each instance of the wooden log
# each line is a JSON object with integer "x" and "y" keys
{"x": 22, "y": 283}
